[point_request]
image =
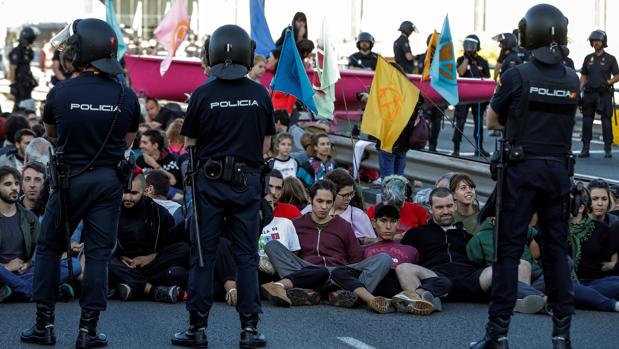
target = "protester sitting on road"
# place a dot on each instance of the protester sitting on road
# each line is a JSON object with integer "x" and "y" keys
{"x": 601, "y": 202}
{"x": 397, "y": 190}
{"x": 176, "y": 142}
{"x": 33, "y": 182}
{"x": 346, "y": 190}
{"x": 303, "y": 157}
{"x": 156, "y": 157}
{"x": 413, "y": 289}
{"x": 615, "y": 190}
{"x": 13, "y": 123}
{"x": 19, "y": 230}
{"x": 282, "y": 160}
{"x": 421, "y": 196}
{"x": 330, "y": 259}
{"x": 149, "y": 260}
{"x": 15, "y": 158}
{"x": 321, "y": 162}
{"x": 281, "y": 209}
{"x": 152, "y": 109}
{"x": 294, "y": 193}
{"x": 467, "y": 206}
{"x": 38, "y": 151}
{"x": 157, "y": 187}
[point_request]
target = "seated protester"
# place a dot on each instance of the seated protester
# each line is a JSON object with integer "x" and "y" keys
{"x": 345, "y": 193}
{"x": 280, "y": 209}
{"x": 330, "y": 259}
{"x": 148, "y": 260}
{"x": 166, "y": 115}
{"x": 302, "y": 156}
{"x": 615, "y": 190}
{"x": 157, "y": 187}
{"x": 396, "y": 189}
{"x": 282, "y": 161}
{"x": 282, "y": 121}
{"x": 155, "y": 157}
{"x": 176, "y": 142}
{"x": 13, "y": 123}
{"x": 19, "y": 230}
{"x": 152, "y": 109}
{"x": 467, "y": 206}
{"x": 441, "y": 244}
{"x": 409, "y": 285}
{"x": 320, "y": 163}
{"x": 422, "y": 195}
{"x": 15, "y": 158}
{"x": 601, "y": 202}
{"x": 294, "y": 193}
{"x": 38, "y": 151}
{"x": 33, "y": 182}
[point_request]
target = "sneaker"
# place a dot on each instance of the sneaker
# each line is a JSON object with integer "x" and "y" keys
{"x": 124, "y": 292}
{"x": 65, "y": 293}
{"x": 303, "y": 296}
{"x": 410, "y": 302}
{"x": 5, "y": 292}
{"x": 436, "y": 301}
{"x": 381, "y": 305}
{"x": 530, "y": 304}
{"x": 165, "y": 294}
{"x": 265, "y": 266}
{"x": 343, "y": 298}
{"x": 232, "y": 297}
{"x": 276, "y": 293}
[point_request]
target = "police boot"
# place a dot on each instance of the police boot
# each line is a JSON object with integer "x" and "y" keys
{"x": 496, "y": 335}
{"x": 561, "y": 332}
{"x": 432, "y": 148}
{"x": 42, "y": 332}
{"x": 87, "y": 336}
{"x": 250, "y": 337}
{"x": 608, "y": 151}
{"x": 584, "y": 153}
{"x": 195, "y": 335}
{"x": 456, "y": 151}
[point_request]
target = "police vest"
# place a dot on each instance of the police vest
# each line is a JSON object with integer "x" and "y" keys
{"x": 544, "y": 120}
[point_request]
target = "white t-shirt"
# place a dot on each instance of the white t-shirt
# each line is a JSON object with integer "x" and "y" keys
{"x": 282, "y": 230}
{"x": 288, "y": 168}
{"x": 169, "y": 205}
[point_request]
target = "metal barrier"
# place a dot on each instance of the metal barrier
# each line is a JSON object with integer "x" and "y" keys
{"x": 427, "y": 167}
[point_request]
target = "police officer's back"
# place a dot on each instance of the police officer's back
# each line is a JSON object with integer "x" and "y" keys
{"x": 82, "y": 115}
{"x": 227, "y": 120}
{"x": 402, "y": 48}
{"x": 20, "y": 75}
{"x": 536, "y": 104}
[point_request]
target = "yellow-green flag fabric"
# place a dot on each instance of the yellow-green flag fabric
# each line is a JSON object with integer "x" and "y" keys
{"x": 390, "y": 104}
{"x": 429, "y": 54}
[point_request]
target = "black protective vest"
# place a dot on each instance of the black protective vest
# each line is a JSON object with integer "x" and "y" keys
{"x": 543, "y": 121}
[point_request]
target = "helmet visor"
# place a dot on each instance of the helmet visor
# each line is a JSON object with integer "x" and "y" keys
{"x": 60, "y": 40}
{"x": 470, "y": 45}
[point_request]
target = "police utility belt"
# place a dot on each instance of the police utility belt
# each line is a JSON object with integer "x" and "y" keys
{"x": 602, "y": 90}
{"x": 230, "y": 171}
{"x": 516, "y": 154}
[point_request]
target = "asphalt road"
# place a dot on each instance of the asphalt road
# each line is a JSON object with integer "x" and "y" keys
{"x": 150, "y": 325}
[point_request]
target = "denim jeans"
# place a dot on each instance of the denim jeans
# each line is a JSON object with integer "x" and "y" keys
{"x": 391, "y": 163}
{"x": 22, "y": 284}
{"x": 598, "y": 294}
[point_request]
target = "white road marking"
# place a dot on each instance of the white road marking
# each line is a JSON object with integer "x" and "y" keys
{"x": 355, "y": 343}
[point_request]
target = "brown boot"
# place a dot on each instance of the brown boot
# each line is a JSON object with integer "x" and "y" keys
{"x": 276, "y": 293}
{"x": 411, "y": 302}
{"x": 381, "y": 305}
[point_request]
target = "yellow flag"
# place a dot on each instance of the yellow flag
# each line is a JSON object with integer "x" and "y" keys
{"x": 390, "y": 104}
{"x": 429, "y": 53}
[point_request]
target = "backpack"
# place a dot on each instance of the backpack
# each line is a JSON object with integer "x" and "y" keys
{"x": 420, "y": 135}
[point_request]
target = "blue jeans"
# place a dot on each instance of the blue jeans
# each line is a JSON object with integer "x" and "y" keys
{"x": 22, "y": 284}
{"x": 391, "y": 163}
{"x": 598, "y": 294}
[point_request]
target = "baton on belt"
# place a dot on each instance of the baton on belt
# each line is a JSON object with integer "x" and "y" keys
{"x": 191, "y": 177}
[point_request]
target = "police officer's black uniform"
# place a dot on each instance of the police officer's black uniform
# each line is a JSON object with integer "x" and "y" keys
{"x": 509, "y": 56}
{"x": 401, "y": 47}
{"x": 81, "y": 112}
{"x": 360, "y": 59}
{"x": 228, "y": 118}
{"x": 597, "y": 94}
{"x": 537, "y": 103}
{"x": 20, "y": 57}
{"x": 477, "y": 68}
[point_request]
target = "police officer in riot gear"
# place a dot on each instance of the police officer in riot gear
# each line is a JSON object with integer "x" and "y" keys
{"x": 365, "y": 58}
{"x": 538, "y": 166}
{"x": 402, "y": 49}
{"x": 509, "y": 53}
{"x": 93, "y": 120}
{"x": 230, "y": 121}
{"x": 596, "y": 85}
{"x": 20, "y": 75}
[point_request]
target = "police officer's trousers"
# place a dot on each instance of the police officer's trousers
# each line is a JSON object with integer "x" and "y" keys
{"x": 217, "y": 200}
{"x": 461, "y": 114}
{"x": 531, "y": 186}
{"x": 434, "y": 115}
{"x": 94, "y": 197}
{"x": 594, "y": 102}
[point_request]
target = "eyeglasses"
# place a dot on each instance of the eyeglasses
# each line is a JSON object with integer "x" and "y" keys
{"x": 347, "y": 195}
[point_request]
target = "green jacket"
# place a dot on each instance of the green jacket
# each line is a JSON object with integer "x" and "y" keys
{"x": 480, "y": 248}
{"x": 29, "y": 227}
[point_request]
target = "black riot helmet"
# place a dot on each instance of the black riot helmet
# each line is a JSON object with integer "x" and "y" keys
{"x": 89, "y": 42}
{"x": 543, "y": 30}
{"x": 230, "y": 52}
{"x": 471, "y": 43}
{"x": 365, "y": 36}
{"x": 28, "y": 35}
{"x": 407, "y": 27}
{"x": 598, "y": 35}
{"x": 508, "y": 41}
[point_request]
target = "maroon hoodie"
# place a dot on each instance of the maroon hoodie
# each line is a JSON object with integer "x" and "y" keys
{"x": 334, "y": 244}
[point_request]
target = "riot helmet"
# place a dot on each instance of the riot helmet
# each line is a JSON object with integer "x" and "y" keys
{"x": 543, "y": 30}
{"x": 598, "y": 35}
{"x": 89, "y": 42}
{"x": 365, "y": 36}
{"x": 508, "y": 41}
{"x": 471, "y": 43}
{"x": 230, "y": 52}
{"x": 28, "y": 35}
{"x": 407, "y": 27}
